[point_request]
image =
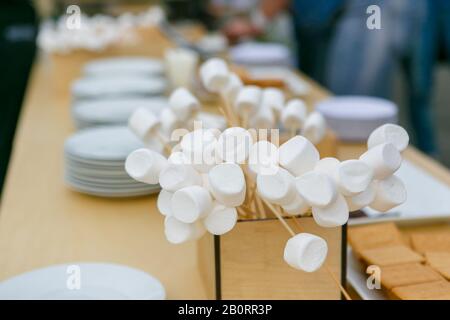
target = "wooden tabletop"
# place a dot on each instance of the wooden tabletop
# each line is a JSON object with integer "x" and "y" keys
{"x": 42, "y": 222}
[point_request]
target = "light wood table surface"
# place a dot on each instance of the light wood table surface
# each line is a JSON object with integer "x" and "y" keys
{"x": 42, "y": 222}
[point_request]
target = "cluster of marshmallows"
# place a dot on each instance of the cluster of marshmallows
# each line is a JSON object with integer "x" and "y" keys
{"x": 264, "y": 108}
{"x": 93, "y": 33}
{"x": 331, "y": 189}
{"x": 206, "y": 176}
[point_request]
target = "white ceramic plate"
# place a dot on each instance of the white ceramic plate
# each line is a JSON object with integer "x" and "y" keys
{"x": 98, "y": 281}
{"x": 110, "y": 192}
{"x": 102, "y": 144}
{"x": 353, "y": 118}
{"x": 113, "y": 111}
{"x": 104, "y": 87}
{"x": 124, "y": 66}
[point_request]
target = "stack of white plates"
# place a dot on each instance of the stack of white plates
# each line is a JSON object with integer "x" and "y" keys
{"x": 91, "y": 281}
{"x": 118, "y": 86}
{"x": 94, "y": 162}
{"x": 123, "y": 66}
{"x": 101, "y": 112}
{"x": 353, "y": 118}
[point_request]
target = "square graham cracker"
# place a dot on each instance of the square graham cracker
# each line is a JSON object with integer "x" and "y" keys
{"x": 431, "y": 242}
{"x": 407, "y": 274}
{"x": 439, "y": 261}
{"x": 374, "y": 236}
{"x": 389, "y": 256}
{"x": 436, "y": 290}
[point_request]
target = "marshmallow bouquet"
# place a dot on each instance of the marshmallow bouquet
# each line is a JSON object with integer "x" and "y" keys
{"x": 211, "y": 178}
{"x": 94, "y": 33}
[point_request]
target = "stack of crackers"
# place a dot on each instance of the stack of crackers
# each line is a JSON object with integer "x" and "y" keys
{"x": 413, "y": 267}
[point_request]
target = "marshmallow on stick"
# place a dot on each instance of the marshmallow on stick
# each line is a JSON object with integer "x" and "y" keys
{"x": 214, "y": 74}
{"x": 389, "y": 193}
{"x": 362, "y": 199}
{"x": 234, "y": 145}
{"x": 334, "y": 215}
{"x": 306, "y": 252}
{"x": 163, "y": 202}
{"x": 247, "y": 102}
{"x": 327, "y": 166}
{"x": 263, "y": 158}
{"x": 298, "y": 206}
{"x": 353, "y": 177}
{"x": 389, "y": 133}
{"x": 183, "y": 104}
{"x": 191, "y": 203}
{"x": 221, "y": 219}
{"x": 384, "y": 159}
{"x": 315, "y": 127}
{"x": 145, "y": 165}
{"x": 233, "y": 87}
{"x": 264, "y": 118}
{"x": 298, "y": 155}
{"x": 199, "y": 146}
{"x": 144, "y": 124}
{"x": 176, "y": 176}
{"x": 278, "y": 188}
{"x": 178, "y": 232}
{"x": 227, "y": 183}
{"x": 273, "y": 98}
{"x": 293, "y": 115}
{"x": 316, "y": 188}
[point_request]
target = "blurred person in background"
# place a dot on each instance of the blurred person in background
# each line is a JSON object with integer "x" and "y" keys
{"x": 17, "y": 49}
{"x": 368, "y": 58}
{"x": 313, "y": 24}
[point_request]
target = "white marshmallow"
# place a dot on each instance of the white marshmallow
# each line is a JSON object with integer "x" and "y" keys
{"x": 227, "y": 183}
{"x": 274, "y": 99}
{"x": 214, "y": 74}
{"x": 233, "y": 87}
{"x": 294, "y": 114}
{"x": 353, "y": 177}
{"x": 363, "y": 199}
{"x": 316, "y": 188}
{"x": 183, "y": 104}
{"x": 327, "y": 166}
{"x": 191, "y": 203}
{"x": 298, "y": 206}
{"x": 263, "y": 158}
{"x": 298, "y": 155}
{"x": 384, "y": 159}
{"x": 143, "y": 123}
{"x": 163, "y": 202}
{"x": 176, "y": 231}
{"x": 334, "y": 215}
{"x": 278, "y": 188}
{"x": 389, "y": 193}
{"x": 177, "y": 176}
{"x": 178, "y": 157}
{"x": 306, "y": 252}
{"x": 145, "y": 165}
{"x": 264, "y": 118}
{"x": 234, "y": 144}
{"x": 248, "y": 100}
{"x": 315, "y": 127}
{"x": 221, "y": 219}
{"x": 199, "y": 146}
{"x": 389, "y": 133}
{"x": 169, "y": 121}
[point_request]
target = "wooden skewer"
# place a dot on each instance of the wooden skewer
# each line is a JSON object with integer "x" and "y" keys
{"x": 164, "y": 142}
{"x": 293, "y": 132}
{"x": 344, "y": 292}
{"x": 244, "y": 120}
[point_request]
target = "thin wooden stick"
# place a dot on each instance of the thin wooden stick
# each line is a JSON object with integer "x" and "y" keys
{"x": 293, "y": 132}
{"x": 341, "y": 288}
{"x": 164, "y": 142}
{"x": 260, "y": 207}
{"x": 244, "y": 122}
